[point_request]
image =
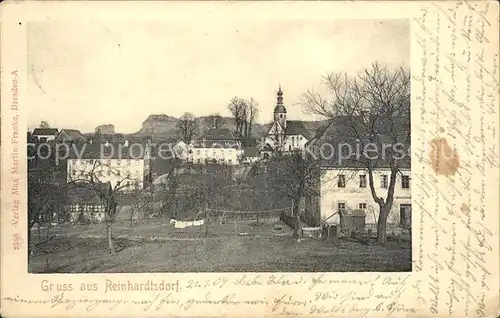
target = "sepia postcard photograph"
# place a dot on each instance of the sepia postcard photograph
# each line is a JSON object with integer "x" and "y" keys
{"x": 281, "y": 158}
{"x": 215, "y": 160}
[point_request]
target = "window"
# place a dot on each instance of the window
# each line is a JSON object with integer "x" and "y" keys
{"x": 74, "y": 172}
{"x": 91, "y": 161}
{"x": 404, "y": 214}
{"x": 341, "y": 181}
{"x": 362, "y": 181}
{"x": 341, "y": 206}
{"x": 118, "y": 172}
{"x": 198, "y": 151}
{"x": 362, "y": 206}
{"x": 383, "y": 181}
{"x": 405, "y": 182}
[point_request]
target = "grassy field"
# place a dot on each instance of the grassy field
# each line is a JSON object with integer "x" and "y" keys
{"x": 71, "y": 253}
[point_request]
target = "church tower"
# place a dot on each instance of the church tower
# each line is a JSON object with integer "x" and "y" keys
{"x": 280, "y": 111}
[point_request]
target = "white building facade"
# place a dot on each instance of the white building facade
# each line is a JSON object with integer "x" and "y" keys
{"x": 218, "y": 145}
{"x": 130, "y": 167}
{"x": 222, "y": 155}
{"x": 349, "y": 189}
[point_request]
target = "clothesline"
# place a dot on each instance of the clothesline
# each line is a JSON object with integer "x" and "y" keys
{"x": 247, "y": 212}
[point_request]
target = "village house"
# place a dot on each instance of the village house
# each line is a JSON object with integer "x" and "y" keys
{"x": 346, "y": 190}
{"x": 69, "y": 135}
{"x": 84, "y": 206}
{"x": 250, "y": 155}
{"x": 118, "y": 163}
{"x": 45, "y": 134}
{"x": 217, "y": 145}
{"x": 344, "y": 187}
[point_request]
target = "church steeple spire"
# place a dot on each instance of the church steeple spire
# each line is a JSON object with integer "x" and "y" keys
{"x": 280, "y": 110}
{"x": 280, "y": 96}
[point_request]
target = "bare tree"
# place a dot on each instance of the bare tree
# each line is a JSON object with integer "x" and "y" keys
{"x": 44, "y": 124}
{"x": 214, "y": 120}
{"x": 244, "y": 113}
{"x": 237, "y": 108}
{"x": 140, "y": 205}
{"x": 167, "y": 191}
{"x": 47, "y": 189}
{"x": 187, "y": 127}
{"x": 251, "y": 112}
{"x": 375, "y": 106}
{"x": 296, "y": 175}
{"x": 91, "y": 175}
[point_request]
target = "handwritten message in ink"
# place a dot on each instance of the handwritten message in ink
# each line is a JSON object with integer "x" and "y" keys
{"x": 459, "y": 65}
{"x": 317, "y": 294}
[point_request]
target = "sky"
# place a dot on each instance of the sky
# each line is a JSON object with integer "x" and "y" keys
{"x": 82, "y": 75}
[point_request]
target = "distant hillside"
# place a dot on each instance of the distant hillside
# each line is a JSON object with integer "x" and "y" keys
{"x": 165, "y": 126}
{"x": 159, "y": 125}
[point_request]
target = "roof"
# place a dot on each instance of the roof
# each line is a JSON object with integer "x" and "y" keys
{"x": 296, "y": 127}
{"x": 45, "y": 131}
{"x": 319, "y": 133}
{"x": 218, "y": 134}
{"x": 338, "y": 146}
{"x": 251, "y": 152}
{"x": 73, "y": 134}
{"x": 343, "y": 151}
{"x": 266, "y": 147}
{"x": 112, "y": 151}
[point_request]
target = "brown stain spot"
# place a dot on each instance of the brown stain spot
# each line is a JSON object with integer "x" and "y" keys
{"x": 441, "y": 129}
{"x": 444, "y": 159}
{"x": 465, "y": 208}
